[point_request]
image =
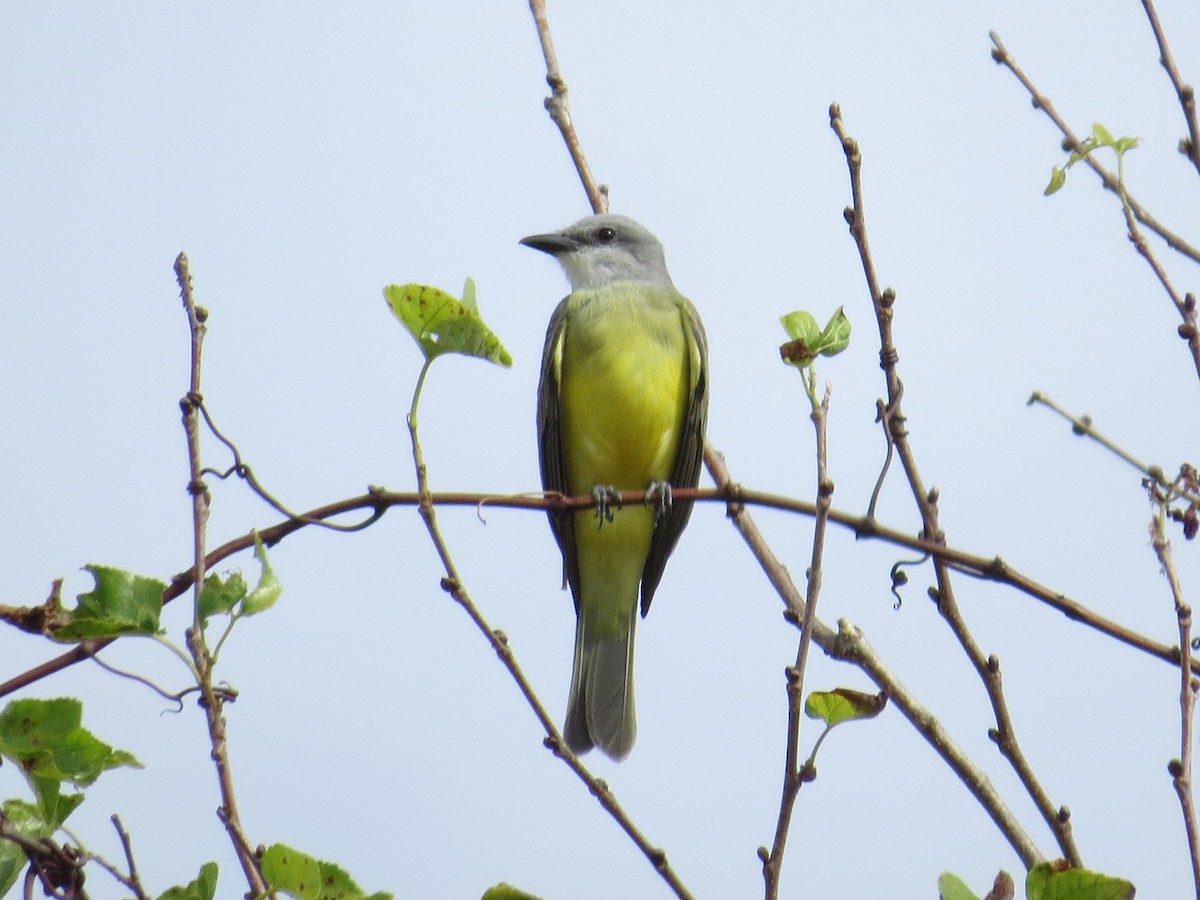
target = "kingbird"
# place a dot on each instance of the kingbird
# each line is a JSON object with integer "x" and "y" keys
{"x": 622, "y": 405}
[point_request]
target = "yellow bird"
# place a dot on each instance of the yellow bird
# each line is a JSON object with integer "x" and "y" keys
{"x": 622, "y": 406}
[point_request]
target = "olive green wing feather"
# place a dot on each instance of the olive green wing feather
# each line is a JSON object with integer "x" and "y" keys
{"x": 550, "y": 452}
{"x": 688, "y": 458}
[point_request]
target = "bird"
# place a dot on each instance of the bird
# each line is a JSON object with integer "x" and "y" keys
{"x": 622, "y": 406}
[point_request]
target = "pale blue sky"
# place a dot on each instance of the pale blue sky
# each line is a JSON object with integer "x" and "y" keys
{"x": 305, "y": 155}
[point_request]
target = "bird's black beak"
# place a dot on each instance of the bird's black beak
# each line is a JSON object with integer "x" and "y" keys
{"x": 553, "y": 244}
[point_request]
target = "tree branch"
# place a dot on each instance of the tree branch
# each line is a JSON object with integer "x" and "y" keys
{"x": 894, "y": 422}
{"x": 1189, "y": 146}
{"x": 796, "y": 773}
{"x": 1189, "y": 330}
{"x": 848, "y": 644}
{"x": 560, "y": 113}
{"x": 211, "y": 700}
{"x": 1181, "y": 768}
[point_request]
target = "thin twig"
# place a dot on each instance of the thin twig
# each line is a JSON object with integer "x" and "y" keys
{"x": 134, "y": 882}
{"x": 1185, "y": 305}
{"x": 796, "y": 773}
{"x": 130, "y": 881}
{"x": 1181, "y": 768}
{"x": 1082, "y": 425}
{"x": 211, "y": 701}
{"x": 848, "y": 644}
{"x": 1040, "y": 101}
{"x": 560, "y": 113}
{"x": 452, "y": 583}
{"x": 243, "y": 471}
{"x": 1190, "y": 146}
{"x": 986, "y": 666}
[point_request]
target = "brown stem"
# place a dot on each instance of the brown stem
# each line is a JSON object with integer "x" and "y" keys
{"x": 376, "y": 502}
{"x": 1185, "y": 305}
{"x": 894, "y": 420}
{"x": 211, "y": 701}
{"x": 1070, "y": 142}
{"x": 795, "y": 773}
{"x": 1190, "y": 146}
{"x": 1181, "y": 768}
{"x": 848, "y": 644}
{"x": 560, "y": 112}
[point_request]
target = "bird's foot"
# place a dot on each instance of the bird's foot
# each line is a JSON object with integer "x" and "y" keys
{"x": 658, "y": 494}
{"x": 607, "y": 498}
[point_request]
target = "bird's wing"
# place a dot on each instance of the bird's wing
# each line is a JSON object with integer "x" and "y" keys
{"x": 688, "y": 458}
{"x": 550, "y": 453}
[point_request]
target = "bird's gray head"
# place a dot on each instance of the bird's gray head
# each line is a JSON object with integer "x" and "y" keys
{"x": 605, "y": 249}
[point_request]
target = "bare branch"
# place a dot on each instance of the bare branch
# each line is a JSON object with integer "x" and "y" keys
{"x": 560, "y": 113}
{"x": 376, "y": 501}
{"x": 894, "y": 420}
{"x": 850, "y": 645}
{"x": 795, "y": 773}
{"x": 1189, "y": 146}
{"x": 211, "y": 701}
{"x": 1070, "y": 142}
{"x": 1181, "y": 768}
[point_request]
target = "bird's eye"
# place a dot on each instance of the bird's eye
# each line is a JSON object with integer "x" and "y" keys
{"x": 606, "y": 235}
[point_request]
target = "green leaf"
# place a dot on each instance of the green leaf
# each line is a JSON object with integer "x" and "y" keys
{"x": 203, "y": 888}
{"x": 1057, "y": 881}
{"x": 45, "y": 740}
{"x": 221, "y": 596}
{"x": 306, "y": 878}
{"x": 835, "y": 336}
{"x": 506, "y": 892}
{"x": 1103, "y": 138}
{"x": 121, "y": 603}
{"x": 951, "y": 887}
{"x": 1125, "y": 143}
{"x": 231, "y": 596}
{"x": 28, "y": 821}
{"x": 842, "y": 705}
{"x": 469, "y": 296}
{"x": 268, "y": 589}
{"x": 441, "y": 324}
{"x": 801, "y": 326}
{"x": 336, "y": 884}
{"x": 1058, "y": 177}
{"x": 809, "y": 340}
{"x": 291, "y": 871}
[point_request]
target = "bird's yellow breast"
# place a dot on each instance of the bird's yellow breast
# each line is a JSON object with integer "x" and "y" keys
{"x": 624, "y": 383}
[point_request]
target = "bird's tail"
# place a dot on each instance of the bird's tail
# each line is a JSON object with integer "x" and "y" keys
{"x": 600, "y": 710}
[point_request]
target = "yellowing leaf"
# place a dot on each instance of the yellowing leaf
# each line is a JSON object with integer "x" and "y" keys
{"x": 441, "y": 323}
{"x": 843, "y": 704}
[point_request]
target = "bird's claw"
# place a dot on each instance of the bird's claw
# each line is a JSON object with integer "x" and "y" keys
{"x": 659, "y": 495}
{"x": 606, "y": 497}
